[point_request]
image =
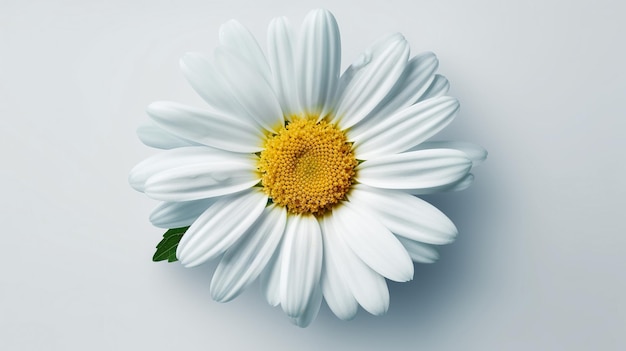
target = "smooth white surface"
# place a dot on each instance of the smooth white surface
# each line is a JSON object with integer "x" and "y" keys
{"x": 540, "y": 257}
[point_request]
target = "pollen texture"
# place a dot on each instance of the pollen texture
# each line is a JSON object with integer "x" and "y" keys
{"x": 307, "y": 167}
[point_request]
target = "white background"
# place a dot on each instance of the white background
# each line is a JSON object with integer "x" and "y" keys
{"x": 539, "y": 263}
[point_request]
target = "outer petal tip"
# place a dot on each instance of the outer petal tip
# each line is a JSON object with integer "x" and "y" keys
{"x": 320, "y": 12}
{"x": 185, "y": 57}
{"x": 154, "y": 107}
{"x": 134, "y": 182}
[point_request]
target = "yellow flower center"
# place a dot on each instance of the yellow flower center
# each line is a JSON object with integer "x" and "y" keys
{"x": 307, "y": 167}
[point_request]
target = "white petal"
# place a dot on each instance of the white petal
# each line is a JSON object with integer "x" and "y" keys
{"x": 163, "y": 161}
{"x": 370, "y": 84}
{"x": 406, "y": 215}
{"x": 405, "y": 128}
{"x": 301, "y": 263}
{"x": 415, "y": 169}
{"x": 319, "y": 62}
{"x": 459, "y": 185}
{"x": 347, "y": 76}
{"x": 253, "y": 91}
{"x": 281, "y": 58}
{"x": 372, "y": 242}
{"x": 368, "y": 287}
{"x": 311, "y": 310}
{"x": 474, "y": 152}
{"x": 208, "y": 127}
{"x": 243, "y": 262}
{"x": 220, "y": 226}
{"x": 156, "y": 137}
{"x": 179, "y": 214}
{"x": 438, "y": 87}
{"x": 415, "y": 80}
{"x": 335, "y": 288}
{"x": 419, "y": 252}
{"x": 210, "y": 84}
{"x": 270, "y": 278}
{"x": 194, "y": 173}
{"x": 237, "y": 37}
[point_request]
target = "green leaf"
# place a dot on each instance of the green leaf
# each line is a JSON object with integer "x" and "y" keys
{"x": 166, "y": 249}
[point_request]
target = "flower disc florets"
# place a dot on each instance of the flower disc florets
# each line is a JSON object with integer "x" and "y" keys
{"x": 307, "y": 167}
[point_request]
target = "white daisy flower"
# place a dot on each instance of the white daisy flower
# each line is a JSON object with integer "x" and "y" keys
{"x": 303, "y": 177}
